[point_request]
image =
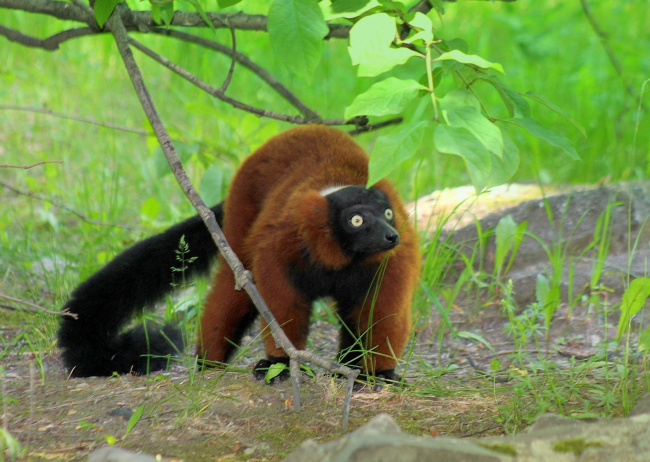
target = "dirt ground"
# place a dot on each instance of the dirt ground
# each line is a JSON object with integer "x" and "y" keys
{"x": 230, "y": 416}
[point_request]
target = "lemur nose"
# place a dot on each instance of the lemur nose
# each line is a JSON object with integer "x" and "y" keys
{"x": 392, "y": 237}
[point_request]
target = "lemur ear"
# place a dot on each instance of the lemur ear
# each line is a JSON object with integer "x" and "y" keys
{"x": 311, "y": 215}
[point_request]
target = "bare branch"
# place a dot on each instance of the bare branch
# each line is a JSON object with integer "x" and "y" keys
{"x": 133, "y": 20}
{"x": 50, "y": 43}
{"x": 36, "y": 308}
{"x": 246, "y": 62}
{"x": 25, "y": 167}
{"x": 609, "y": 51}
{"x": 242, "y": 276}
{"x": 231, "y": 71}
{"x": 78, "y": 119}
{"x": 217, "y": 93}
{"x": 61, "y": 206}
{"x": 371, "y": 127}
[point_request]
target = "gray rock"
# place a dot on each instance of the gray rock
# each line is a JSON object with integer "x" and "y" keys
{"x": 381, "y": 440}
{"x": 113, "y": 454}
{"x": 550, "y": 438}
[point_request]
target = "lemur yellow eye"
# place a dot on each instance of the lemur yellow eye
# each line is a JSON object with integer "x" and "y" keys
{"x": 356, "y": 221}
{"x": 388, "y": 214}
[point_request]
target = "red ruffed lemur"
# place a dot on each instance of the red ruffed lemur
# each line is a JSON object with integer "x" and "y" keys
{"x": 299, "y": 216}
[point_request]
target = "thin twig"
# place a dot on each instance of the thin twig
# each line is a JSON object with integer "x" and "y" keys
{"x": 604, "y": 41}
{"x": 26, "y": 167}
{"x": 36, "y": 308}
{"x": 243, "y": 277}
{"x": 217, "y": 93}
{"x": 50, "y": 43}
{"x": 64, "y": 207}
{"x": 371, "y": 127}
{"x": 78, "y": 119}
{"x": 246, "y": 62}
{"x": 231, "y": 71}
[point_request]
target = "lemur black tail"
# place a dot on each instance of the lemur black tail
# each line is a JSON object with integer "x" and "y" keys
{"x": 135, "y": 279}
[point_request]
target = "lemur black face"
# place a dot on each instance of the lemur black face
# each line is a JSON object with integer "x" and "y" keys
{"x": 363, "y": 219}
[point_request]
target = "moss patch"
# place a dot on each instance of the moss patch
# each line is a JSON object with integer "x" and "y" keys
{"x": 576, "y": 446}
{"x": 500, "y": 448}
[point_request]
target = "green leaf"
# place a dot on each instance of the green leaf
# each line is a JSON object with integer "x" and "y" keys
{"x": 348, "y": 9}
{"x": 458, "y": 99}
{"x": 556, "y": 109}
{"x": 162, "y": 14}
{"x": 460, "y": 142}
{"x": 185, "y": 152}
{"x": 103, "y": 10}
{"x": 226, "y": 3}
{"x": 552, "y": 137}
{"x": 150, "y": 208}
{"x": 477, "y": 338}
{"x": 370, "y": 45}
{"x": 504, "y": 167}
{"x": 471, "y": 119}
{"x": 485, "y": 169}
{"x": 644, "y": 341}
{"x": 274, "y": 370}
{"x": 547, "y": 297}
{"x": 391, "y": 150}
{"x": 516, "y": 104}
{"x": 455, "y": 44}
{"x": 505, "y": 240}
{"x": 422, "y": 22}
{"x": 199, "y": 9}
{"x": 133, "y": 420}
{"x": 390, "y": 96}
{"x": 459, "y": 56}
{"x": 212, "y": 184}
{"x": 633, "y": 300}
{"x": 297, "y": 29}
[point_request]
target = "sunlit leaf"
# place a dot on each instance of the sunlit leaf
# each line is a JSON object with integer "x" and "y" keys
{"x": 633, "y": 300}
{"x": 370, "y": 45}
{"x": 150, "y": 208}
{"x": 133, "y": 420}
{"x": 296, "y": 30}
{"x": 471, "y": 119}
{"x": 274, "y": 370}
{"x": 390, "y": 96}
{"x": 459, "y": 56}
{"x": 391, "y": 150}
{"x": 460, "y": 142}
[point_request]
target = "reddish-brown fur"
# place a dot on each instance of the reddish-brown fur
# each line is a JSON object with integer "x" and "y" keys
{"x": 273, "y": 211}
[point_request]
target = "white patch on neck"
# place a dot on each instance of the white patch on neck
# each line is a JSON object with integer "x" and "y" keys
{"x": 332, "y": 189}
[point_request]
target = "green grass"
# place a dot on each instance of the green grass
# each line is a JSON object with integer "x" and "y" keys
{"x": 116, "y": 178}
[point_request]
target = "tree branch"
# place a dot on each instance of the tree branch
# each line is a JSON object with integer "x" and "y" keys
{"x": 133, "y": 20}
{"x": 61, "y": 206}
{"x": 609, "y": 51}
{"x": 78, "y": 119}
{"x": 246, "y": 62}
{"x": 217, "y": 93}
{"x": 36, "y": 308}
{"x": 50, "y": 43}
{"x": 242, "y": 276}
